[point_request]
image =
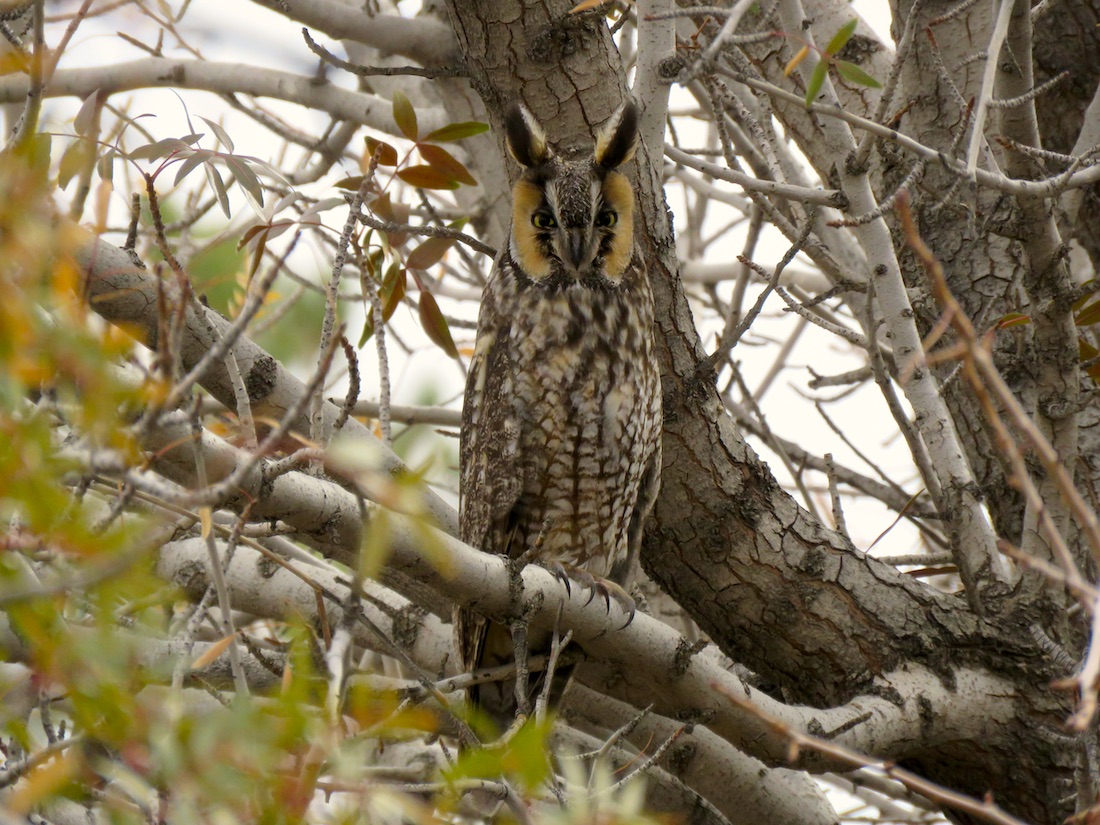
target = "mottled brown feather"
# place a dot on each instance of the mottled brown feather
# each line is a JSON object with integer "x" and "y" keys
{"x": 560, "y": 446}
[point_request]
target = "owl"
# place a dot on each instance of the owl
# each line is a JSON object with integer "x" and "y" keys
{"x": 561, "y": 431}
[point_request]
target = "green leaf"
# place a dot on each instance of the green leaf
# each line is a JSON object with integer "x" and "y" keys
{"x": 817, "y": 80}
{"x": 77, "y": 156}
{"x": 457, "y": 131}
{"x": 442, "y": 160}
{"x": 394, "y": 286}
{"x": 372, "y": 263}
{"x": 426, "y": 177}
{"x": 388, "y": 155}
{"x": 1088, "y": 352}
{"x": 841, "y": 38}
{"x": 522, "y": 759}
{"x": 258, "y": 255}
{"x": 435, "y": 325}
{"x": 368, "y": 331}
{"x": 353, "y": 183}
{"x": 1088, "y": 315}
{"x": 429, "y": 253}
{"x": 404, "y": 116}
{"x": 85, "y": 118}
{"x": 34, "y": 150}
{"x": 1084, "y": 299}
{"x": 105, "y": 168}
{"x": 854, "y": 74}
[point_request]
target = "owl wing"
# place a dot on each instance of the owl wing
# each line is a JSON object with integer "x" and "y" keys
{"x": 490, "y": 482}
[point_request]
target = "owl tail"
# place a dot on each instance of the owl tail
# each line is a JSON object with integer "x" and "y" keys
{"x": 494, "y": 648}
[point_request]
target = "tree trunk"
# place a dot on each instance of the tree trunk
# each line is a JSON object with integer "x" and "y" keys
{"x": 818, "y": 620}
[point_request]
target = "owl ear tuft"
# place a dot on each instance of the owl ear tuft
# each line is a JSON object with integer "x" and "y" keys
{"x": 617, "y": 140}
{"x": 525, "y": 138}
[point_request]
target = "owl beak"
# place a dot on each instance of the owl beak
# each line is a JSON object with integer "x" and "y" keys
{"x": 577, "y": 247}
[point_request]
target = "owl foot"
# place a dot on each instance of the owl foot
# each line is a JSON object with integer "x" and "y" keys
{"x": 607, "y": 590}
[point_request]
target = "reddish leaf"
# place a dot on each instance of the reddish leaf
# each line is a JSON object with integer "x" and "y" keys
{"x": 404, "y": 116}
{"x": 394, "y": 287}
{"x": 251, "y": 233}
{"x": 1013, "y": 319}
{"x": 456, "y": 131}
{"x": 435, "y": 325}
{"x": 429, "y": 253}
{"x": 442, "y": 160}
{"x": 425, "y": 177}
{"x": 388, "y": 156}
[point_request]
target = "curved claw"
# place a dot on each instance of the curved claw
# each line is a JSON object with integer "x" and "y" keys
{"x": 608, "y": 590}
{"x": 561, "y": 574}
{"x": 622, "y": 599}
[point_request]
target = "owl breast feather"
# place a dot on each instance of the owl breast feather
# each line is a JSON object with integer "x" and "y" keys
{"x": 584, "y": 396}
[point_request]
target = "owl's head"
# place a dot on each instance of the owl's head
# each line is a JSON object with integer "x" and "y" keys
{"x": 573, "y": 217}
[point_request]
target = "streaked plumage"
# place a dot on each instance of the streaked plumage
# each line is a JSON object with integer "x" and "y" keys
{"x": 561, "y": 424}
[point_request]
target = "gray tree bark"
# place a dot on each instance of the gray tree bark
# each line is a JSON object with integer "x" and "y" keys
{"x": 776, "y": 589}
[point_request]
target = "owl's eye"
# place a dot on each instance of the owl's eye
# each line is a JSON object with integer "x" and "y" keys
{"x": 606, "y": 217}
{"x": 543, "y": 220}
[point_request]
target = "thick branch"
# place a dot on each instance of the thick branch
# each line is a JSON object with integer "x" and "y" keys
{"x": 126, "y": 294}
{"x": 221, "y": 78}
{"x": 427, "y": 41}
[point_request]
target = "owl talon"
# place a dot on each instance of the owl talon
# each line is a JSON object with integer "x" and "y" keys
{"x": 561, "y": 573}
{"x": 609, "y": 591}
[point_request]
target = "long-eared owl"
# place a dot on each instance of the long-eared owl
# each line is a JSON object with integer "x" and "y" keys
{"x": 561, "y": 423}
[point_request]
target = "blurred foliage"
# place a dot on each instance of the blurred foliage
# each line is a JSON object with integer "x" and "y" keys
{"x": 98, "y": 710}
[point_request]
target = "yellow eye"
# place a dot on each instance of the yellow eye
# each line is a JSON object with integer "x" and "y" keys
{"x": 607, "y": 217}
{"x": 543, "y": 220}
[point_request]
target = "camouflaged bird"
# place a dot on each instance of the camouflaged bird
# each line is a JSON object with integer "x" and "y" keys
{"x": 561, "y": 426}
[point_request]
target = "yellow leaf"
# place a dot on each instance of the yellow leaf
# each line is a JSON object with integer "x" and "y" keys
{"x": 207, "y": 521}
{"x": 13, "y": 61}
{"x": 216, "y": 650}
{"x": 102, "y": 204}
{"x": 44, "y": 781}
{"x": 798, "y": 58}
